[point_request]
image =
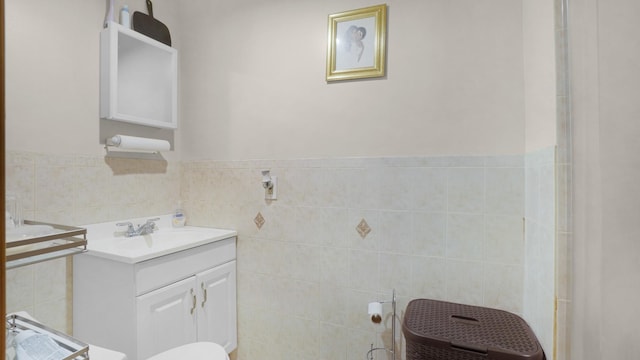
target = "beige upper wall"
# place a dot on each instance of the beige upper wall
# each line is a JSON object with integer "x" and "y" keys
{"x": 539, "y": 73}
{"x": 52, "y": 74}
{"x": 252, "y": 80}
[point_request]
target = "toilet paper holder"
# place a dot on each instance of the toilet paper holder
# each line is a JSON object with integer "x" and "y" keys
{"x": 375, "y": 311}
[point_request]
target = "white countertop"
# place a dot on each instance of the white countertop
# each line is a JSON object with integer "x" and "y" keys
{"x": 107, "y": 240}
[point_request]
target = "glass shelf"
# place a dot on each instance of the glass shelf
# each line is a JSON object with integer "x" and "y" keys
{"x": 59, "y": 241}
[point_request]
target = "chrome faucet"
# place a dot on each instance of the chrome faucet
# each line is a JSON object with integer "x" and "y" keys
{"x": 144, "y": 229}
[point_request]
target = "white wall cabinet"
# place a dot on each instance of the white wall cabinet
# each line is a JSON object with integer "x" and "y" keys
{"x": 138, "y": 78}
{"x": 145, "y": 308}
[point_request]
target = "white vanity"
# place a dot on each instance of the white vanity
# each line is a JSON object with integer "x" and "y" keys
{"x": 148, "y": 293}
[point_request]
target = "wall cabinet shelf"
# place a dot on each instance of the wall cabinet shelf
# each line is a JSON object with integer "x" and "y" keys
{"x": 138, "y": 78}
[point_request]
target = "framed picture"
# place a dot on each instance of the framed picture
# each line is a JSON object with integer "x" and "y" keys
{"x": 356, "y": 45}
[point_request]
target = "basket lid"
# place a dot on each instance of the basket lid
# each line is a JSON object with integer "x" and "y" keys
{"x": 499, "y": 333}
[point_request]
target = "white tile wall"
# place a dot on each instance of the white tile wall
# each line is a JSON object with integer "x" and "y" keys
{"x": 540, "y": 246}
{"x": 448, "y": 228}
{"x": 77, "y": 190}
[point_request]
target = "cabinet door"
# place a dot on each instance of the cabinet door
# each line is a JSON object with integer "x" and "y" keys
{"x": 166, "y": 318}
{"x": 217, "y": 306}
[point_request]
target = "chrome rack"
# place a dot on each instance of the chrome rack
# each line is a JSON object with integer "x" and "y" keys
{"x": 79, "y": 350}
{"x": 65, "y": 241}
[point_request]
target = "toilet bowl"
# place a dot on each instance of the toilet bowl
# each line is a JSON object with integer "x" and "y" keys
{"x": 195, "y": 351}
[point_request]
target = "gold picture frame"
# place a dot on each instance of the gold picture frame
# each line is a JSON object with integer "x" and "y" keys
{"x": 356, "y": 46}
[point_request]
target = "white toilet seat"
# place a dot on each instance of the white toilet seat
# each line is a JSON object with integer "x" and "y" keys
{"x": 196, "y": 351}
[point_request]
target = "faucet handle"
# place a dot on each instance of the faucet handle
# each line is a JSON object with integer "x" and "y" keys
{"x": 130, "y": 228}
{"x": 127, "y": 224}
{"x": 151, "y": 222}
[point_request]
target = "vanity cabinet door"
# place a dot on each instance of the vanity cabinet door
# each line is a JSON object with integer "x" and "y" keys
{"x": 166, "y": 318}
{"x": 217, "y": 305}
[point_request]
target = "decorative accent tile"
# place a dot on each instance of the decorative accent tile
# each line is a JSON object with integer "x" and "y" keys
{"x": 363, "y": 228}
{"x": 259, "y": 220}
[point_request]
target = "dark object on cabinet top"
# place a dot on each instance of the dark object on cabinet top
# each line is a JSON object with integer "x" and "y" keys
{"x": 150, "y": 26}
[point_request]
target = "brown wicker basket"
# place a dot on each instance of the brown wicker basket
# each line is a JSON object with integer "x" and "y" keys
{"x": 438, "y": 330}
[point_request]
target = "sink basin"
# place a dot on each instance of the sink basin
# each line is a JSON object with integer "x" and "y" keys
{"x": 159, "y": 239}
{"x": 103, "y": 241}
